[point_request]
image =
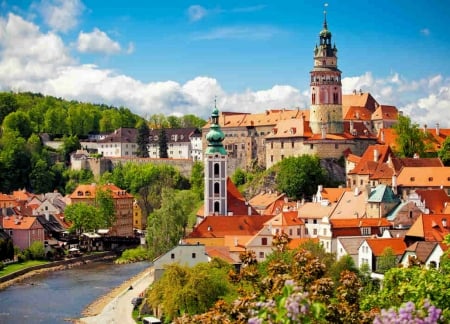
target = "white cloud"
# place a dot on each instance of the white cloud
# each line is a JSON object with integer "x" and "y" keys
{"x": 97, "y": 42}
{"x": 61, "y": 15}
{"x": 31, "y": 60}
{"x": 196, "y": 12}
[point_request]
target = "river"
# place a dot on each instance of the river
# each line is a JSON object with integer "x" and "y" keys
{"x": 60, "y": 296}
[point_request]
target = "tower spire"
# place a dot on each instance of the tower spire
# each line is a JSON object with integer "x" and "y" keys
{"x": 325, "y": 5}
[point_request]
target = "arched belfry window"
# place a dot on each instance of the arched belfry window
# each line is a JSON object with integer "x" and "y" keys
{"x": 216, "y": 188}
{"x": 216, "y": 207}
{"x": 216, "y": 169}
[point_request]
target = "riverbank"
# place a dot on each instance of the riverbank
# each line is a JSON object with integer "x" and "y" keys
{"x": 115, "y": 306}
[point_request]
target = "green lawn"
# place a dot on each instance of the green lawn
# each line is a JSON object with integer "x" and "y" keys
{"x": 10, "y": 268}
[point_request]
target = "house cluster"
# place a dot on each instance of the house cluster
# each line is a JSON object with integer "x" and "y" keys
{"x": 26, "y": 217}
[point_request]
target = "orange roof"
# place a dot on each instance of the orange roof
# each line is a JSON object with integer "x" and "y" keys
{"x": 220, "y": 226}
{"x": 291, "y": 128}
{"x": 268, "y": 118}
{"x": 384, "y": 112}
{"x": 359, "y": 222}
{"x": 87, "y": 191}
{"x": 353, "y": 158}
{"x": 23, "y": 195}
{"x": 350, "y": 205}
{"x": 388, "y": 136}
{"x": 378, "y": 245}
{"x": 424, "y": 177}
{"x": 370, "y": 160}
{"x": 298, "y": 242}
{"x": 435, "y": 199}
{"x": 358, "y": 99}
{"x": 221, "y": 252}
{"x": 265, "y": 199}
{"x": 358, "y": 113}
{"x": 280, "y": 204}
{"x": 21, "y": 223}
{"x": 285, "y": 218}
{"x": 333, "y": 194}
{"x": 432, "y": 227}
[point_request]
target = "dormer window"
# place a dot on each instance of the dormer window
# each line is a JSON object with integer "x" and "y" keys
{"x": 412, "y": 179}
{"x": 79, "y": 193}
{"x": 430, "y": 178}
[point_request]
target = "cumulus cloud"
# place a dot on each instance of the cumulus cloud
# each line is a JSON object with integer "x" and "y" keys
{"x": 425, "y": 100}
{"x": 61, "y": 15}
{"x": 97, "y": 41}
{"x": 32, "y": 60}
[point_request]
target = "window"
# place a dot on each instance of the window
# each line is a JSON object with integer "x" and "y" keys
{"x": 271, "y": 145}
{"x": 282, "y": 157}
{"x": 299, "y": 231}
{"x": 361, "y": 182}
{"x": 314, "y": 221}
{"x": 365, "y": 230}
{"x": 261, "y": 255}
{"x": 193, "y": 255}
{"x": 271, "y": 158}
{"x": 290, "y": 232}
{"x": 172, "y": 256}
{"x": 264, "y": 241}
{"x": 306, "y": 231}
{"x": 336, "y": 146}
{"x": 311, "y": 146}
{"x": 412, "y": 179}
{"x": 282, "y": 144}
{"x": 324, "y": 231}
{"x": 315, "y": 231}
{"x": 430, "y": 178}
{"x": 292, "y": 144}
{"x": 216, "y": 188}
{"x": 216, "y": 169}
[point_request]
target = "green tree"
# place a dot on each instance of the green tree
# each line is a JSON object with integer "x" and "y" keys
{"x": 345, "y": 263}
{"x": 444, "y": 152}
{"x": 239, "y": 177}
{"x": 143, "y": 133}
{"x": 8, "y": 104}
{"x": 20, "y": 122}
{"x": 70, "y": 145}
{"x": 387, "y": 260}
{"x": 410, "y": 139}
{"x": 192, "y": 121}
{"x": 37, "y": 250}
{"x": 105, "y": 206}
{"x": 197, "y": 180}
{"x": 299, "y": 177}
{"x": 42, "y": 177}
{"x": 167, "y": 225}
{"x": 55, "y": 121}
{"x": 83, "y": 217}
{"x": 162, "y": 143}
{"x": 174, "y": 121}
{"x": 158, "y": 121}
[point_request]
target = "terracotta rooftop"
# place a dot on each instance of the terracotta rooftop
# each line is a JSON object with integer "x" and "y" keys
{"x": 221, "y": 252}
{"x": 290, "y": 128}
{"x": 373, "y": 158}
{"x": 358, "y": 113}
{"x": 19, "y": 223}
{"x": 378, "y": 245}
{"x": 359, "y": 222}
{"x": 265, "y": 199}
{"x": 432, "y": 227}
{"x": 285, "y": 218}
{"x": 384, "y": 112}
{"x": 298, "y": 242}
{"x": 333, "y": 194}
{"x": 435, "y": 200}
{"x": 424, "y": 177}
{"x": 358, "y": 99}
{"x": 351, "y": 205}
{"x": 220, "y": 226}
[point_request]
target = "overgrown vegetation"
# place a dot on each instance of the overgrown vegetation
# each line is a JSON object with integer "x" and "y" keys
{"x": 306, "y": 285}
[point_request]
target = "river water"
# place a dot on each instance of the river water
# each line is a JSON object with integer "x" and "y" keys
{"x": 60, "y": 296}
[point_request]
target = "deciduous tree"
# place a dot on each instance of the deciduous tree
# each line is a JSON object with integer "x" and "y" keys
{"x": 410, "y": 139}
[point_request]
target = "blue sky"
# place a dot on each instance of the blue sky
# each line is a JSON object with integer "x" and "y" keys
{"x": 174, "y": 57}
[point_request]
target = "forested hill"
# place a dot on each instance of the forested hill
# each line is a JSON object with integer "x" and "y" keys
{"x": 37, "y": 113}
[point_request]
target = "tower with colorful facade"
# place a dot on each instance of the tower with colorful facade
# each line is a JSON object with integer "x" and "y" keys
{"x": 215, "y": 169}
{"x": 326, "y": 88}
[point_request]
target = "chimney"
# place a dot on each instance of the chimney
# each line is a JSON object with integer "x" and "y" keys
{"x": 382, "y": 136}
{"x": 324, "y": 131}
{"x": 444, "y": 222}
{"x": 356, "y": 193}
{"x": 249, "y": 210}
{"x": 376, "y": 155}
{"x": 425, "y": 128}
{"x": 437, "y": 129}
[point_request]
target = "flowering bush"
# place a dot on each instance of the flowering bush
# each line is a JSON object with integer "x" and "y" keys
{"x": 408, "y": 314}
{"x": 292, "y": 306}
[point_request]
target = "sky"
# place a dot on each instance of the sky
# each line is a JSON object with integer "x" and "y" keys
{"x": 177, "y": 57}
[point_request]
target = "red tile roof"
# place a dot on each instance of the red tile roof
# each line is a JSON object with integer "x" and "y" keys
{"x": 384, "y": 112}
{"x": 371, "y": 161}
{"x": 19, "y": 223}
{"x": 358, "y": 113}
{"x": 432, "y": 227}
{"x": 298, "y": 242}
{"x": 88, "y": 191}
{"x": 435, "y": 200}
{"x": 378, "y": 245}
{"x": 220, "y": 226}
{"x": 424, "y": 177}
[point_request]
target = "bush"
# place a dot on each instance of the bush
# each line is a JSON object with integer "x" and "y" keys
{"x": 37, "y": 251}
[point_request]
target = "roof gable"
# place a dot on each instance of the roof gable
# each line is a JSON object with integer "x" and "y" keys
{"x": 378, "y": 245}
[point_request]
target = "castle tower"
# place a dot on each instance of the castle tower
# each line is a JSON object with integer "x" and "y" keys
{"x": 215, "y": 170}
{"x": 326, "y": 87}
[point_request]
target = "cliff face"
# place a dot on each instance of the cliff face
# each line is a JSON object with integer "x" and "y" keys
{"x": 267, "y": 182}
